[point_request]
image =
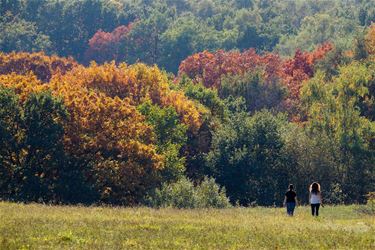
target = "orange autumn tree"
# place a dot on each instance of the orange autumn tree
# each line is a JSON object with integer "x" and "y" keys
{"x": 106, "y": 128}
{"x": 111, "y": 135}
{"x": 23, "y": 85}
{"x": 41, "y": 65}
{"x": 136, "y": 84}
{"x": 107, "y": 136}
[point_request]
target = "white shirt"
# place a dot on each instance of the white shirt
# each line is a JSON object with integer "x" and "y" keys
{"x": 315, "y": 198}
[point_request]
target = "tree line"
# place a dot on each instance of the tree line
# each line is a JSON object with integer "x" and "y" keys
{"x": 178, "y": 116}
{"x": 165, "y": 32}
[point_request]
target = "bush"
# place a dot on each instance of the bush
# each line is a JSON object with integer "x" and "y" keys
{"x": 369, "y": 208}
{"x": 183, "y": 194}
{"x": 336, "y": 194}
{"x": 209, "y": 194}
{"x": 371, "y": 202}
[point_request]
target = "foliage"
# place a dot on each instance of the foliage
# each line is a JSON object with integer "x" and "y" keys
{"x": 170, "y": 137}
{"x": 108, "y": 132}
{"x": 20, "y": 35}
{"x": 165, "y": 32}
{"x": 105, "y": 46}
{"x": 207, "y": 97}
{"x": 334, "y": 112}
{"x": 297, "y": 70}
{"x": 33, "y": 156}
{"x": 134, "y": 84}
{"x": 22, "y": 85}
{"x": 42, "y": 66}
{"x": 311, "y": 158}
{"x": 371, "y": 201}
{"x": 257, "y": 91}
{"x": 9, "y": 121}
{"x": 229, "y": 72}
{"x": 183, "y": 194}
{"x": 335, "y": 194}
{"x": 209, "y": 68}
{"x": 370, "y": 40}
{"x": 125, "y": 130}
{"x": 237, "y": 110}
{"x": 317, "y": 29}
{"x": 246, "y": 158}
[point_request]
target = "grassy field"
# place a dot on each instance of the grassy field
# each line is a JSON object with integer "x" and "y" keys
{"x": 63, "y": 227}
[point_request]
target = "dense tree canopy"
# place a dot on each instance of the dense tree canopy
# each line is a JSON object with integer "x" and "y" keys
{"x": 133, "y": 101}
{"x": 165, "y": 32}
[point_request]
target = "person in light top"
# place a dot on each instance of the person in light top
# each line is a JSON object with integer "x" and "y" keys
{"x": 315, "y": 198}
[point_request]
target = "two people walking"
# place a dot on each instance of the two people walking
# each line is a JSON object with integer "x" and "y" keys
{"x": 315, "y": 199}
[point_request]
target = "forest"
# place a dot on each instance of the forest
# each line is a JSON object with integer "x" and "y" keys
{"x": 186, "y": 103}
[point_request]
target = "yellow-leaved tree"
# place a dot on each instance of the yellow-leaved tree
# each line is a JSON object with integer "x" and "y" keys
{"x": 106, "y": 138}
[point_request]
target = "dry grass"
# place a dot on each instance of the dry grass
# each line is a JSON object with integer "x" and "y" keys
{"x": 67, "y": 227}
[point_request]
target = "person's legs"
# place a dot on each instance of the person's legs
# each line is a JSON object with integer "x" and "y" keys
{"x": 288, "y": 208}
{"x": 313, "y": 209}
{"x": 292, "y": 205}
{"x": 317, "y": 209}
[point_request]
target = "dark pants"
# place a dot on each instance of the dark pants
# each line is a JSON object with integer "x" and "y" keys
{"x": 290, "y": 207}
{"x": 315, "y": 209}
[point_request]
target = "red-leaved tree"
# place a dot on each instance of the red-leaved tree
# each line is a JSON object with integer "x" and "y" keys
{"x": 107, "y": 46}
{"x": 297, "y": 70}
{"x": 209, "y": 69}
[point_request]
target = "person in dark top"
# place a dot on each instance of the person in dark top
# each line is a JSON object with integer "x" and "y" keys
{"x": 290, "y": 200}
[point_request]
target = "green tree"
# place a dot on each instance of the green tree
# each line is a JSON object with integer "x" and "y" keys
{"x": 9, "y": 6}
{"x": 258, "y": 92}
{"x": 10, "y": 119}
{"x": 43, "y": 123}
{"x": 207, "y": 97}
{"x": 146, "y": 35}
{"x": 334, "y": 112}
{"x": 311, "y": 157}
{"x": 20, "y": 35}
{"x": 188, "y": 35}
{"x": 246, "y": 158}
{"x": 171, "y": 136}
{"x": 199, "y": 143}
{"x": 318, "y": 29}
{"x": 32, "y": 153}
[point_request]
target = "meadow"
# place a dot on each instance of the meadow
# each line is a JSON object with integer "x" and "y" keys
{"x": 35, "y": 226}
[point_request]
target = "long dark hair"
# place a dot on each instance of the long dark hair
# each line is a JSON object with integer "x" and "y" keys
{"x": 315, "y": 188}
{"x": 291, "y": 187}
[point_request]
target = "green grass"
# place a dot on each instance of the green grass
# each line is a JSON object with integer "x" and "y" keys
{"x": 67, "y": 227}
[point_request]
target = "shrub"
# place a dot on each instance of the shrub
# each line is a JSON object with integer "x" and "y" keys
{"x": 183, "y": 194}
{"x": 371, "y": 202}
{"x": 209, "y": 194}
{"x": 369, "y": 208}
{"x": 336, "y": 194}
